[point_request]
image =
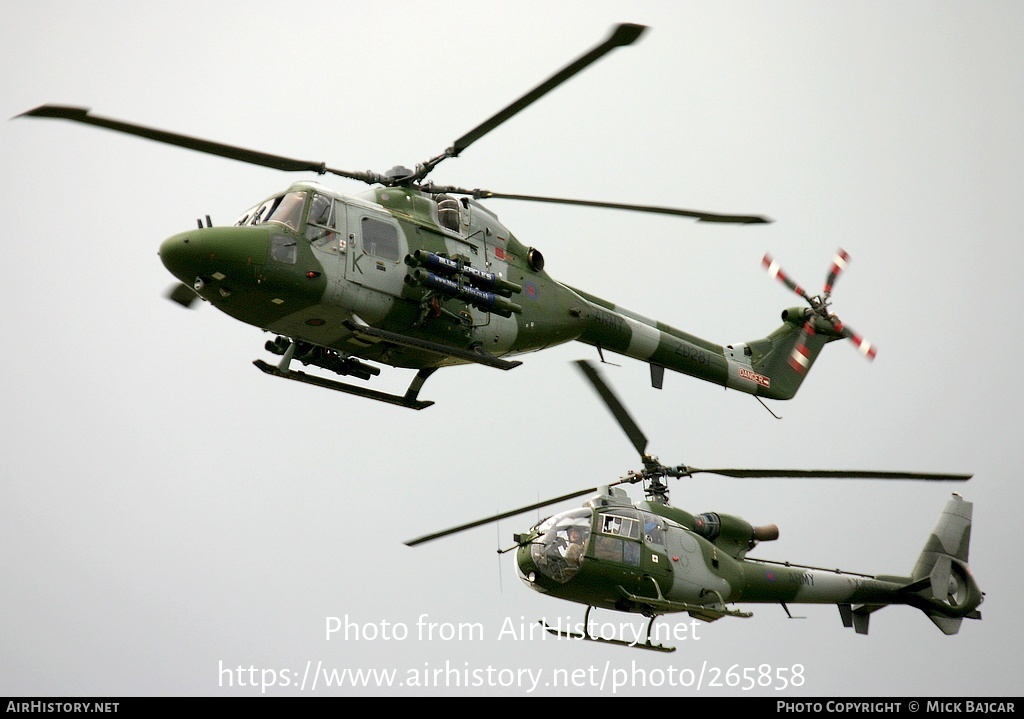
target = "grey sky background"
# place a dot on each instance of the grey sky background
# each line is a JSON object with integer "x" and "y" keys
{"x": 166, "y": 510}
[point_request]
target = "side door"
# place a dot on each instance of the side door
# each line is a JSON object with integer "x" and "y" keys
{"x": 327, "y": 234}
{"x": 376, "y": 249}
{"x": 326, "y": 230}
{"x": 654, "y": 559}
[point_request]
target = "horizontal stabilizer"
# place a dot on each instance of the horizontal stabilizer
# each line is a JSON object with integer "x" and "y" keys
{"x": 917, "y": 586}
{"x": 948, "y": 625}
{"x": 859, "y": 617}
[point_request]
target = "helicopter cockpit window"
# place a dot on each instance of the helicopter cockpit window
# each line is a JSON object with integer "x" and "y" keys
{"x": 283, "y": 249}
{"x": 288, "y": 210}
{"x": 559, "y": 549}
{"x": 380, "y": 239}
{"x": 321, "y": 223}
{"x": 284, "y": 209}
{"x": 654, "y": 529}
{"x": 255, "y": 215}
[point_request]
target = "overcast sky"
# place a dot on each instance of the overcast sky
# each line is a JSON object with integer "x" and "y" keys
{"x": 167, "y": 511}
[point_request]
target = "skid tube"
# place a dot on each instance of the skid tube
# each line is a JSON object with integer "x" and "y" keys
{"x": 409, "y": 399}
{"x": 585, "y": 634}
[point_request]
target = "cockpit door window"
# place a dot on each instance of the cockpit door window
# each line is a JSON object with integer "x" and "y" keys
{"x": 325, "y": 216}
{"x": 621, "y": 526}
{"x": 654, "y": 530}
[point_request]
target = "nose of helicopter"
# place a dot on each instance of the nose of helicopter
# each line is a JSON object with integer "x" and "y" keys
{"x": 212, "y": 251}
{"x": 552, "y": 554}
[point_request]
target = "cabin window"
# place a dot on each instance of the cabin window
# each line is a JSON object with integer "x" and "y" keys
{"x": 631, "y": 553}
{"x": 622, "y": 523}
{"x": 283, "y": 249}
{"x": 380, "y": 239}
{"x": 448, "y": 212}
{"x": 608, "y": 549}
{"x": 611, "y": 549}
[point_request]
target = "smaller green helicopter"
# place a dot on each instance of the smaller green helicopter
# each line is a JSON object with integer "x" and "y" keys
{"x": 652, "y": 558}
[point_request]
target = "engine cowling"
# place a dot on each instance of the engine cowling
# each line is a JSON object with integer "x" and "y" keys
{"x": 733, "y": 534}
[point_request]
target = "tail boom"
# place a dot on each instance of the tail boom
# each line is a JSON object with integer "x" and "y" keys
{"x": 941, "y": 585}
{"x": 772, "y": 367}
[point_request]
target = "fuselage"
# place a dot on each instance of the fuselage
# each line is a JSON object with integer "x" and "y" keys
{"x": 307, "y": 262}
{"x": 303, "y": 263}
{"x": 652, "y": 558}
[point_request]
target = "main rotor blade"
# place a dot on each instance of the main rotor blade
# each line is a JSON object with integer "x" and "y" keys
{"x": 616, "y": 407}
{"x": 696, "y": 214}
{"x": 830, "y": 474}
{"x": 277, "y": 162}
{"x": 625, "y": 34}
{"x": 506, "y": 515}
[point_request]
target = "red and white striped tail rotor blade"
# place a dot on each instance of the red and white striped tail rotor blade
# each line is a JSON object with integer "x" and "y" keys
{"x": 800, "y": 357}
{"x": 773, "y": 269}
{"x": 863, "y": 346}
{"x": 838, "y": 265}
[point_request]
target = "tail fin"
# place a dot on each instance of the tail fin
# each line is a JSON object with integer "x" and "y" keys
{"x": 943, "y": 583}
{"x": 781, "y": 361}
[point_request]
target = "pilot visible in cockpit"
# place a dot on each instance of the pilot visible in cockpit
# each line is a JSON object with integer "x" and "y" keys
{"x": 574, "y": 552}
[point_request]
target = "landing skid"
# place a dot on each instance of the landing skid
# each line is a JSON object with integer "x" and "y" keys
{"x": 407, "y": 400}
{"x": 585, "y": 634}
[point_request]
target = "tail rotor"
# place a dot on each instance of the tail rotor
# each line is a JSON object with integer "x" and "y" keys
{"x": 819, "y": 318}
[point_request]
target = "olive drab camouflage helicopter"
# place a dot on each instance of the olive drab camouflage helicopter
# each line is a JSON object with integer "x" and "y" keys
{"x": 419, "y": 276}
{"x": 652, "y": 558}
